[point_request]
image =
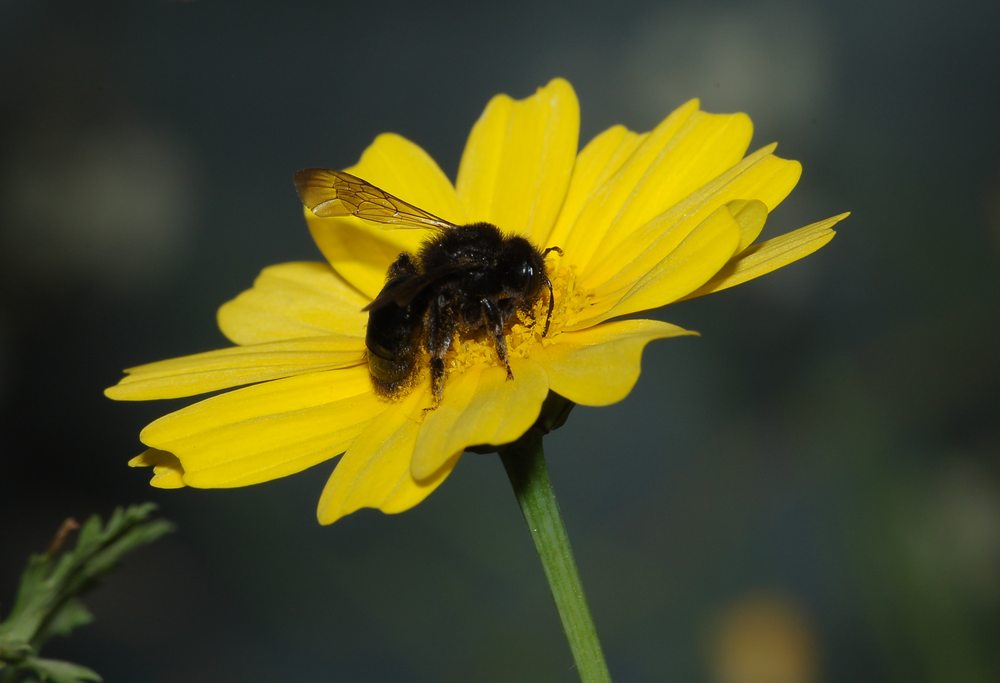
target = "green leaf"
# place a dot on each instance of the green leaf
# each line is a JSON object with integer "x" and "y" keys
{"x": 13, "y": 651}
{"x": 70, "y": 616}
{"x": 47, "y": 600}
{"x": 58, "y": 671}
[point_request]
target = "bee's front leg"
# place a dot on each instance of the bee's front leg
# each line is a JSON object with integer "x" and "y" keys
{"x": 441, "y": 324}
{"x": 495, "y": 321}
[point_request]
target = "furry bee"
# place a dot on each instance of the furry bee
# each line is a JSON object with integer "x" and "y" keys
{"x": 469, "y": 279}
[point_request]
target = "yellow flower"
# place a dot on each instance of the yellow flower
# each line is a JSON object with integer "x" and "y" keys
{"x": 643, "y": 220}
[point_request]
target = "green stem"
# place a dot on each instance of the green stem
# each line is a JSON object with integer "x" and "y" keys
{"x": 524, "y": 461}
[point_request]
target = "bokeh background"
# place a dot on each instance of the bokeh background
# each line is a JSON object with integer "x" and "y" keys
{"x": 807, "y": 492}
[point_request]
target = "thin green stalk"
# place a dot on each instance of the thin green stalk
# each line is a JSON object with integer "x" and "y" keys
{"x": 524, "y": 461}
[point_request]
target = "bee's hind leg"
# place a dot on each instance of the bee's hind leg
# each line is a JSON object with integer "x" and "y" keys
{"x": 494, "y": 317}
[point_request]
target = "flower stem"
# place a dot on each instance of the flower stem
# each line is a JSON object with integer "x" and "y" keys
{"x": 524, "y": 461}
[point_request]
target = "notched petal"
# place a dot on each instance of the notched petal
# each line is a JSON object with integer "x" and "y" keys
{"x": 168, "y": 473}
{"x": 518, "y": 160}
{"x": 268, "y": 430}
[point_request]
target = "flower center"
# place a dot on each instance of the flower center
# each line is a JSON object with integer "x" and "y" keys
{"x": 525, "y": 334}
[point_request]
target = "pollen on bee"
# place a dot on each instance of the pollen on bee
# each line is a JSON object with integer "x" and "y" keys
{"x": 525, "y": 334}
{"x": 523, "y": 338}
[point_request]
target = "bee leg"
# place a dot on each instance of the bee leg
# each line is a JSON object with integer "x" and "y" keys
{"x": 441, "y": 324}
{"x": 494, "y": 317}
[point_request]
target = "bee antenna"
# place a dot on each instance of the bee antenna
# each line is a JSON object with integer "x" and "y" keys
{"x": 552, "y": 301}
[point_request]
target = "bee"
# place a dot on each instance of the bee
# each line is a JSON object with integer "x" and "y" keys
{"x": 465, "y": 279}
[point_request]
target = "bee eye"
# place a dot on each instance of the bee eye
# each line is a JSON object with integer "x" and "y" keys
{"x": 524, "y": 275}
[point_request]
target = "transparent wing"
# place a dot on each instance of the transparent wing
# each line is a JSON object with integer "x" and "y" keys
{"x": 326, "y": 192}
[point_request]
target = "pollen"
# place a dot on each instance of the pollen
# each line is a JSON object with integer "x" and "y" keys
{"x": 525, "y": 334}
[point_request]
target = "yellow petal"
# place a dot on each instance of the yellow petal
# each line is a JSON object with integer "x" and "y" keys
{"x": 775, "y": 253}
{"x": 375, "y": 471}
{"x": 637, "y": 265}
{"x": 599, "y": 366}
{"x": 598, "y": 161}
{"x": 292, "y": 300}
{"x": 702, "y": 252}
{"x": 268, "y": 430}
{"x": 224, "y": 368}
{"x": 705, "y": 147}
{"x": 517, "y": 162}
{"x": 751, "y": 216}
{"x": 167, "y": 470}
{"x": 596, "y": 217}
{"x": 760, "y": 177}
{"x": 361, "y": 251}
{"x": 480, "y": 406}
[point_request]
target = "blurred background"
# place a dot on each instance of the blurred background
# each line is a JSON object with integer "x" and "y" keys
{"x": 808, "y": 492}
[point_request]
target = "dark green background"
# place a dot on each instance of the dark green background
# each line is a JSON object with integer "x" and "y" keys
{"x": 830, "y": 440}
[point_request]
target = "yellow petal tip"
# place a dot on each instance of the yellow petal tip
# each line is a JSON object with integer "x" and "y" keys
{"x": 167, "y": 479}
{"x": 423, "y": 469}
{"x": 325, "y": 517}
{"x": 168, "y": 473}
{"x": 558, "y": 83}
{"x": 154, "y": 457}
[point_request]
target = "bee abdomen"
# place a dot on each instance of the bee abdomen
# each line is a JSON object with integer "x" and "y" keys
{"x": 390, "y": 372}
{"x": 392, "y": 340}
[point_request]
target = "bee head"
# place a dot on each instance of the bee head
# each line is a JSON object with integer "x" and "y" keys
{"x": 521, "y": 269}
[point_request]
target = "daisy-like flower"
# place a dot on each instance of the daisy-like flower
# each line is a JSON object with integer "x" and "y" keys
{"x": 642, "y": 220}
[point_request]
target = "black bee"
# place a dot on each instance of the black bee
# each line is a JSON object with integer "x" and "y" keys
{"x": 469, "y": 279}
